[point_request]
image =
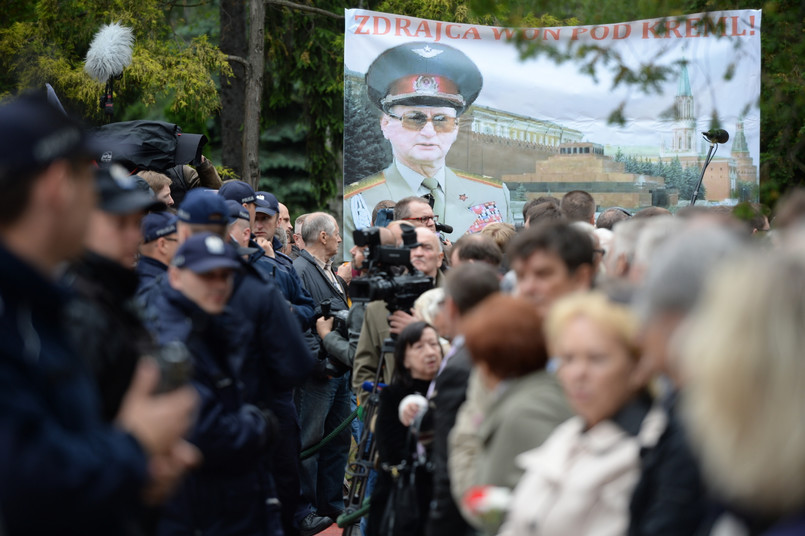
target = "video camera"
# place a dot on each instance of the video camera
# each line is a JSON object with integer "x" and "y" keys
{"x": 384, "y": 263}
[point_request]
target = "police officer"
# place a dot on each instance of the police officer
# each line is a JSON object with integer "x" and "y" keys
{"x": 157, "y": 249}
{"x": 270, "y": 361}
{"x": 225, "y": 496}
{"x": 422, "y": 90}
{"x": 56, "y": 452}
{"x": 103, "y": 320}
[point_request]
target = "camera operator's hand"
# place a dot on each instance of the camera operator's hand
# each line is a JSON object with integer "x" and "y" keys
{"x": 324, "y": 326}
{"x": 166, "y": 470}
{"x": 266, "y": 245}
{"x": 158, "y": 422}
{"x": 398, "y": 320}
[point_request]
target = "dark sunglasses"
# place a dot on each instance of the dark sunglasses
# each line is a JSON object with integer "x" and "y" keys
{"x": 418, "y": 120}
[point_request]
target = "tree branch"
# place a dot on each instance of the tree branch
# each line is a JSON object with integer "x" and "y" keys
{"x": 238, "y": 59}
{"x": 302, "y": 7}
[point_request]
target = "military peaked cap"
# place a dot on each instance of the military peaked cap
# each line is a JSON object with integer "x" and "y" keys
{"x": 425, "y": 74}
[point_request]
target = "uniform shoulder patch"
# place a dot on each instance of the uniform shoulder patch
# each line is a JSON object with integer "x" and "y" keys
{"x": 364, "y": 184}
{"x": 491, "y": 181}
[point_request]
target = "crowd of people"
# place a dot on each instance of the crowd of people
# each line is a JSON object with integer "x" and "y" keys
{"x": 194, "y": 369}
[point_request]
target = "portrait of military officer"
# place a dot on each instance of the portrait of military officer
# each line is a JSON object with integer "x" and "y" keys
{"x": 422, "y": 89}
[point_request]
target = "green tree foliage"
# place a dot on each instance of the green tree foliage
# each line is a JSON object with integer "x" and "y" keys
{"x": 304, "y": 81}
{"x": 49, "y": 44}
{"x": 366, "y": 151}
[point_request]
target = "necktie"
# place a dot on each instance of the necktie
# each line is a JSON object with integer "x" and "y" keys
{"x": 438, "y": 199}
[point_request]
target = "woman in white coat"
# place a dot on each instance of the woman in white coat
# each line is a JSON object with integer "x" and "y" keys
{"x": 580, "y": 481}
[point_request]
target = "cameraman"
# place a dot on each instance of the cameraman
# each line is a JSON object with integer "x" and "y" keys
{"x": 379, "y": 324}
{"x": 342, "y": 343}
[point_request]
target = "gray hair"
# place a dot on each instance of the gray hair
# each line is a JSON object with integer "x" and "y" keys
{"x": 678, "y": 272}
{"x": 743, "y": 370}
{"x": 656, "y": 231}
{"x": 297, "y": 225}
{"x": 316, "y": 223}
{"x": 624, "y": 238}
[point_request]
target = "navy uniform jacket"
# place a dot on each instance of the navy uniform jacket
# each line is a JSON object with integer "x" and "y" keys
{"x": 288, "y": 282}
{"x": 226, "y": 495}
{"x": 470, "y": 201}
{"x": 149, "y": 271}
{"x": 273, "y": 358}
{"x": 62, "y": 470}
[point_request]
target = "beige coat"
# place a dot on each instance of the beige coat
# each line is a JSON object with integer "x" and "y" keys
{"x": 493, "y": 428}
{"x": 580, "y": 483}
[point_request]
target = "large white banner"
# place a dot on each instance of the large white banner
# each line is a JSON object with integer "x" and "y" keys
{"x": 456, "y": 104}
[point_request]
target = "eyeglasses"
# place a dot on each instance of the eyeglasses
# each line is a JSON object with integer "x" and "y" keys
{"x": 418, "y": 120}
{"x": 424, "y": 219}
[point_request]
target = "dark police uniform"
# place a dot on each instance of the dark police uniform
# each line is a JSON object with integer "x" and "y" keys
{"x": 54, "y": 443}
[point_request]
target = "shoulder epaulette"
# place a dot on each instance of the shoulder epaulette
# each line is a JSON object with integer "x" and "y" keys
{"x": 491, "y": 181}
{"x": 364, "y": 184}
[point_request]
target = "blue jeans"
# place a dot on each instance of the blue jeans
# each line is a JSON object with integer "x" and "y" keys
{"x": 323, "y": 405}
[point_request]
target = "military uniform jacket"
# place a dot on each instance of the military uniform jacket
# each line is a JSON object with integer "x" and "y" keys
{"x": 470, "y": 201}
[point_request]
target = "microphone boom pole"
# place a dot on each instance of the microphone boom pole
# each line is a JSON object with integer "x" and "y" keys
{"x": 713, "y": 137}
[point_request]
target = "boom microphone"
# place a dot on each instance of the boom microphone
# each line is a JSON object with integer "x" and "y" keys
{"x": 716, "y": 135}
{"x": 110, "y": 52}
{"x": 444, "y": 228}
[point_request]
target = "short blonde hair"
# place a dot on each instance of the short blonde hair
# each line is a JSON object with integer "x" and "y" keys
{"x": 616, "y": 318}
{"x": 156, "y": 180}
{"x": 744, "y": 378}
{"x": 501, "y": 233}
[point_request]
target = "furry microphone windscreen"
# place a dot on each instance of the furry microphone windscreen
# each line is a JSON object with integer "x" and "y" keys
{"x": 110, "y": 52}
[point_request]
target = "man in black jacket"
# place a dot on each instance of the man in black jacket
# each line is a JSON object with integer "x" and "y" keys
{"x": 104, "y": 321}
{"x": 55, "y": 449}
{"x": 323, "y": 401}
{"x": 466, "y": 286}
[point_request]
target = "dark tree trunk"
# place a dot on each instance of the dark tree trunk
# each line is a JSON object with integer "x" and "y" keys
{"x": 254, "y": 93}
{"x": 233, "y": 90}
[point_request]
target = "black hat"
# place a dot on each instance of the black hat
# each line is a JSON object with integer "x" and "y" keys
{"x": 204, "y": 252}
{"x": 119, "y": 192}
{"x": 34, "y": 133}
{"x": 425, "y": 74}
{"x": 158, "y": 224}
{"x": 236, "y": 211}
{"x": 266, "y": 203}
{"x": 237, "y": 191}
{"x": 203, "y": 207}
